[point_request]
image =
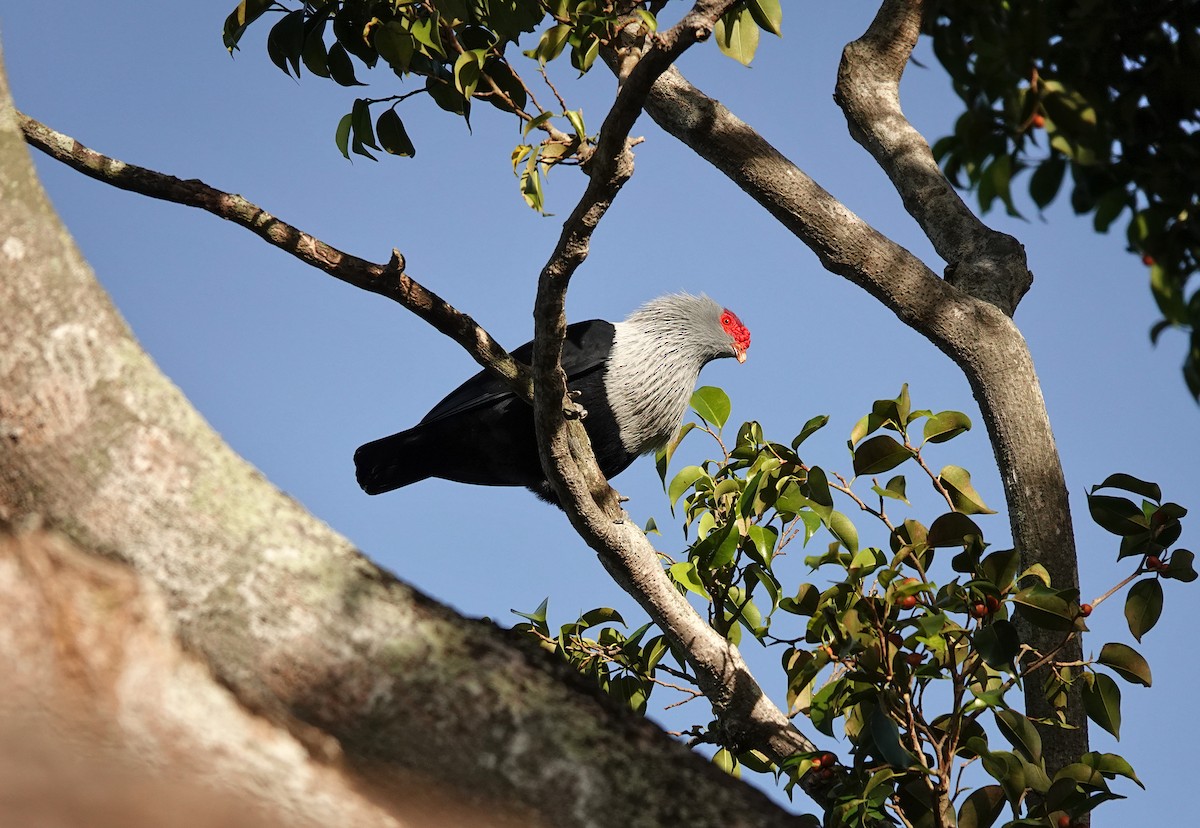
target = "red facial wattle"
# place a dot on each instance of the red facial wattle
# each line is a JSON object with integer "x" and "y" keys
{"x": 738, "y": 332}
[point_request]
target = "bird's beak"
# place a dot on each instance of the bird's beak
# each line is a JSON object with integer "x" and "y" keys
{"x": 740, "y": 353}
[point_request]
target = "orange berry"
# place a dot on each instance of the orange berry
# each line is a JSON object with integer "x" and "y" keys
{"x": 979, "y": 610}
{"x": 1064, "y": 821}
{"x": 908, "y": 602}
{"x": 1038, "y": 120}
{"x": 1148, "y": 260}
{"x": 818, "y": 761}
{"x": 1155, "y": 563}
{"x": 1085, "y": 610}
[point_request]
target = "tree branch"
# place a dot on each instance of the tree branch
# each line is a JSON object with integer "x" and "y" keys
{"x": 977, "y": 335}
{"x": 748, "y": 717}
{"x": 983, "y": 262}
{"x": 387, "y": 280}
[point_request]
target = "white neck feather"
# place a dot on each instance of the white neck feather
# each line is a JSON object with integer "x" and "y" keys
{"x": 656, "y": 358}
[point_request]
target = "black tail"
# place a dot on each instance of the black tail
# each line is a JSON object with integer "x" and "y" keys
{"x": 391, "y": 462}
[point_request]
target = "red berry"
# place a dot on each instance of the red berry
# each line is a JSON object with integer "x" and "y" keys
{"x": 1085, "y": 610}
{"x": 993, "y": 603}
{"x": 1148, "y": 260}
{"x": 979, "y": 610}
{"x": 914, "y": 659}
{"x": 1155, "y": 563}
{"x": 818, "y": 761}
{"x": 908, "y": 602}
{"x": 895, "y": 639}
{"x": 1064, "y": 821}
{"x": 1038, "y": 120}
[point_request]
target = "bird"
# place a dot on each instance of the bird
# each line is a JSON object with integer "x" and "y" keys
{"x": 633, "y": 380}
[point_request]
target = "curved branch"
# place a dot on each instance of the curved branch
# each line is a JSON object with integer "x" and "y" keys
{"x": 983, "y": 262}
{"x": 748, "y": 717}
{"x": 388, "y": 280}
{"x": 960, "y": 319}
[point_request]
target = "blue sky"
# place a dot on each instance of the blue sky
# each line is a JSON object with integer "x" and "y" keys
{"x": 296, "y": 370}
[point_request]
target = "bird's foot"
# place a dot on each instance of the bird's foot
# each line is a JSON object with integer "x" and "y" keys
{"x": 574, "y": 411}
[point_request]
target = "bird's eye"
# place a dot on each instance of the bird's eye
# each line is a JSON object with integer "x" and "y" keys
{"x": 726, "y": 320}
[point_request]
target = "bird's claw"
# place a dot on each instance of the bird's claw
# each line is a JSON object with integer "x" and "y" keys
{"x": 574, "y": 411}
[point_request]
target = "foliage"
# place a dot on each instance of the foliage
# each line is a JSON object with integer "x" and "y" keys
{"x": 914, "y": 667}
{"x": 461, "y": 51}
{"x": 1105, "y": 90}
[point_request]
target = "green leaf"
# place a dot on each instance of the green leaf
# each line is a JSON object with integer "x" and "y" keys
{"x": 1007, "y": 769}
{"x": 340, "y": 67}
{"x": 886, "y": 735}
{"x": 879, "y": 454}
{"x": 364, "y": 131}
{"x": 997, "y": 644}
{"x": 395, "y": 45}
{"x": 551, "y": 43}
{"x": 946, "y": 426}
{"x": 1118, "y": 515}
{"x": 1102, "y": 703}
{"x": 538, "y": 616}
{"x": 1143, "y": 606}
{"x": 342, "y": 135}
{"x": 428, "y": 33}
{"x": 805, "y": 603}
{"x": 392, "y": 135}
{"x": 982, "y": 808}
{"x": 1047, "y": 179}
{"x": 285, "y": 42}
{"x": 957, "y": 482}
{"x": 1126, "y": 662}
{"x": 1110, "y": 764}
{"x": 467, "y": 73}
{"x": 1181, "y": 566}
{"x": 447, "y": 96}
{"x": 241, "y": 17}
{"x": 683, "y": 481}
{"x": 768, "y": 14}
{"x": 1129, "y": 483}
{"x": 1020, "y": 733}
{"x": 895, "y": 488}
{"x": 737, "y": 35}
{"x": 725, "y": 760}
{"x": 685, "y": 573}
{"x": 951, "y": 529}
{"x": 809, "y": 428}
{"x": 1045, "y": 607}
{"x": 712, "y": 404}
{"x": 843, "y": 529}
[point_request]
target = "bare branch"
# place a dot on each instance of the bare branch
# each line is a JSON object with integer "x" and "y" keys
{"x": 983, "y": 262}
{"x": 387, "y": 280}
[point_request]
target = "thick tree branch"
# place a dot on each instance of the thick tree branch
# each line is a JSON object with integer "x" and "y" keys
{"x": 748, "y": 716}
{"x": 979, "y": 336}
{"x": 987, "y": 264}
{"x": 991, "y": 267}
{"x": 388, "y": 280}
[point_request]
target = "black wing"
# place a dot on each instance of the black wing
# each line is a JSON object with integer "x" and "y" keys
{"x": 585, "y": 350}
